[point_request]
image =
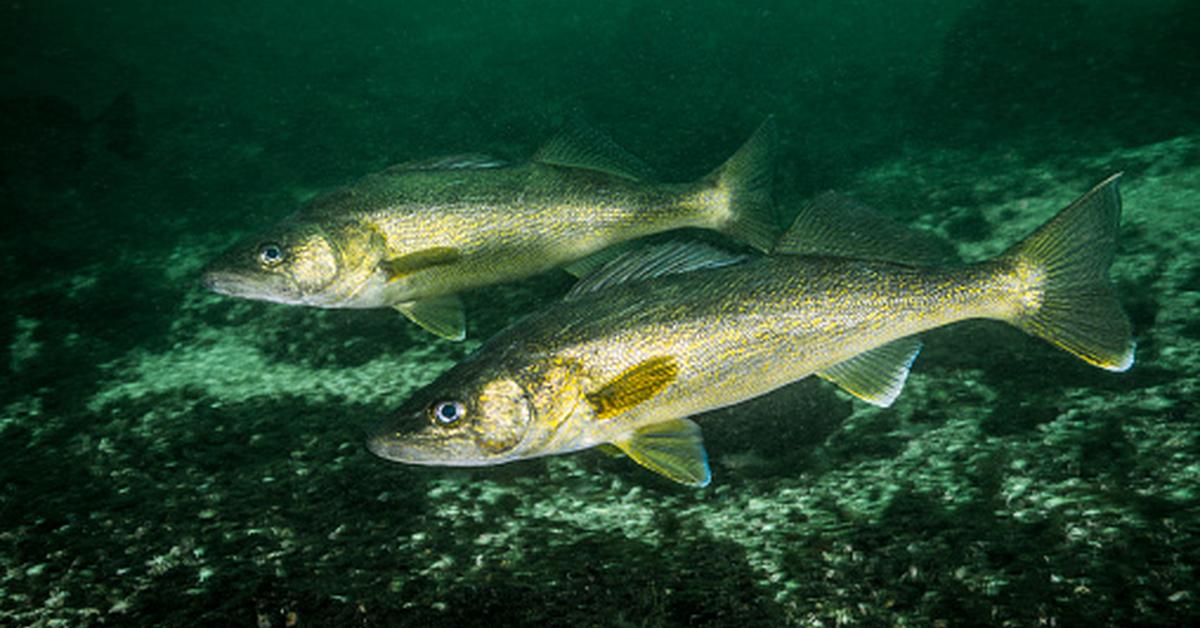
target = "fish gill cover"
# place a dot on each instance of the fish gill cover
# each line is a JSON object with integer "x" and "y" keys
{"x": 172, "y": 457}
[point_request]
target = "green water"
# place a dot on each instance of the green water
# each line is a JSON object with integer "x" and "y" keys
{"x": 171, "y": 457}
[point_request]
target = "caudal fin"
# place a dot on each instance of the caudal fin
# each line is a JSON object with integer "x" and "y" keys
{"x": 1070, "y": 301}
{"x": 744, "y": 209}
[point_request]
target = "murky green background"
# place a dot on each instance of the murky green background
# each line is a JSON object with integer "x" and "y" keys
{"x": 170, "y": 457}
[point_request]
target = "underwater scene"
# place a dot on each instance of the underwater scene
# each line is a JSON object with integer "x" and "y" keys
{"x": 624, "y": 313}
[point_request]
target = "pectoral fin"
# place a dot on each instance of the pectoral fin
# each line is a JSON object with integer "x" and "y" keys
{"x": 398, "y": 267}
{"x": 876, "y": 376}
{"x": 672, "y": 448}
{"x": 443, "y": 316}
{"x": 636, "y": 385}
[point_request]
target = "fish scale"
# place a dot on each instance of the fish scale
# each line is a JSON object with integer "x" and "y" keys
{"x": 650, "y": 340}
{"x": 416, "y": 235}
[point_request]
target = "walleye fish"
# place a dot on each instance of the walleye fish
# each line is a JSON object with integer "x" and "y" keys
{"x": 415, "y": 235}
{"x": 668, "y": 332}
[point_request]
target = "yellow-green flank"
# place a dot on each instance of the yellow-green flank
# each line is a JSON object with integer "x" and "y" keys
{"x": 668, "y": 332}
{"x": 416, "y": 235}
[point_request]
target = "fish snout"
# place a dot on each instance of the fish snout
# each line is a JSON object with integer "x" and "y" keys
{"x": 210, "y": 281}
{"x": 221, "y": 282}
{"x": 389, "y": 447}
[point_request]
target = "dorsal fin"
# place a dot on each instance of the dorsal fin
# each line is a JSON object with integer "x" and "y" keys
{"x": 876, "y": 376}
{"x": 834, "y": 225}
{"x": 585, "y": 266}
{"x": 463, "y": 161}
{"x": 579, "y": 145}
{"x": 654, "y": 261}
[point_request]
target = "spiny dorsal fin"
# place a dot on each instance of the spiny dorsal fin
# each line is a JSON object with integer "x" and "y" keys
{"x": 398, "y": 267}
{"x": 834, "y": 225}
{"x": 463, "y": 161}
{"x": 636, "y": 385}
{"x": 442, "y": 315}
{"x": 876, "y": 376}
{"x": 579, "y": 145}
{"x": 672, "y": 448}
{"x": 654, "y": 261}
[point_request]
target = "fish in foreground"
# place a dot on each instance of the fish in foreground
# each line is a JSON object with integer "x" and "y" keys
{"x": 640, "y": 345}
{"x": 415, "y": 235}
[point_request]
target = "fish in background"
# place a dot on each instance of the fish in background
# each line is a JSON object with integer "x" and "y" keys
{"x": 667, "y": 332}
{"x": 416, "y": 235}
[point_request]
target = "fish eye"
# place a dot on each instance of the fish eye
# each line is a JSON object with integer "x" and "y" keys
{"x": 447, "y": 412}
{"x": 270, "y": 254}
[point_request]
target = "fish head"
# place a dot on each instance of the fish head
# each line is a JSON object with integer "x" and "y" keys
{"x": 467, "y": 417}
{"x": 293, "y": 263}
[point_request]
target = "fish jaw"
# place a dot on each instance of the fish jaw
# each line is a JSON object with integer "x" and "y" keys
{"x": 256, "y": 286}
{"x": 424, "y": 449}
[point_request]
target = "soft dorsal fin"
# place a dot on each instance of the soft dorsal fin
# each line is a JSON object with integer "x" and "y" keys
{"x": 462, "y": 161}
{"x": 876, "y": 376}
{"x": 636, "y": 385}
{"x": 834, "y": 225}
{"x": 579, "y": 145}
{"x": 397, "y": 267}
{"x": 442, "y": 315}
{"x": 672, "y": 448}
{"x": 654, "y": 261}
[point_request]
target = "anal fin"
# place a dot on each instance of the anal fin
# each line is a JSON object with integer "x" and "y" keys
{"x": 442, "y": 315}
{"x": 876, "y": 376}
{"x": 673, "y": 449}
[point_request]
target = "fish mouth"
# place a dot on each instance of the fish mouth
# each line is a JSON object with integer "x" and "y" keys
{"x": 222, "y": 283}
{"x": 422, "y": 448}
{"x": 235, "y": 284}
{"x": 388, "y": 447}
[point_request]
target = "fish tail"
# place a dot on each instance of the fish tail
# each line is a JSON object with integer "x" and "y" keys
{"x": 738, "y": 193}
{"x": 1064, "y": 293}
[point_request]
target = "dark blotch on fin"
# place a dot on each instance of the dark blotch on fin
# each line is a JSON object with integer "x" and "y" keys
{"x": 636, "y": 385}
{"x": 398, "y": 267}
